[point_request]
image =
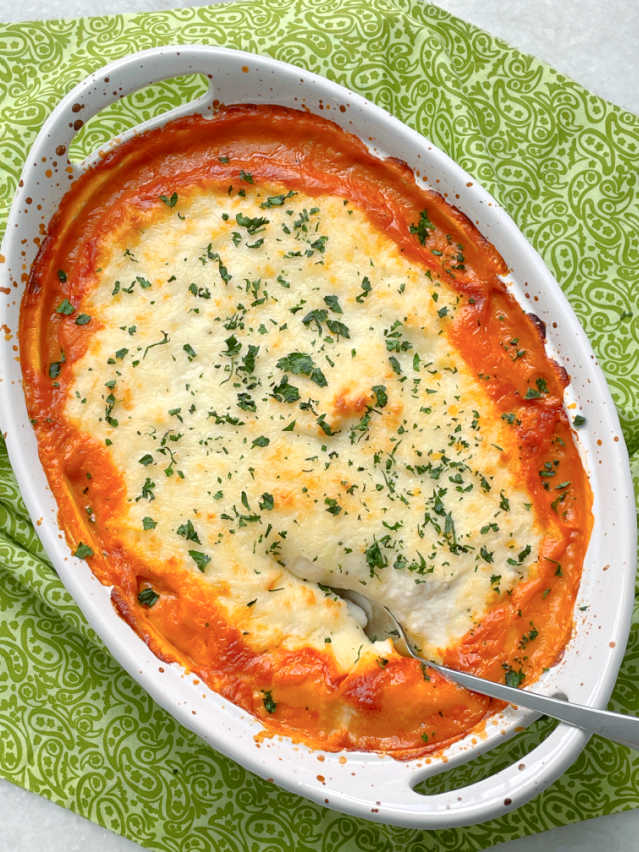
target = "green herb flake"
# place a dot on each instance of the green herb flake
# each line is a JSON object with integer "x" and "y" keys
{"x": 381, "y": 397}
{"x": 146, "y": 459}
{"x": 65, "y": 307}
{"x": 578, "y": 420}
{"x": 83, "y": 551}
{"x": 333, "y": 506}
{"x": 170, "y": 201}
{"x": 187, "y": 531}
{"x": 285, "y": 392}
{"x": 374, "y": 557}
{"x": 62, "y": 275}
{"x": 147, "y": 597}
{"x": 82, "y": 319}
{"x": 366, "y": 289}
{"x": 148, "y": 523}
{"x": 200, "y": 559}
{"x": 190, "y": 351}
{"x": 395, "y": 365}
{"x": 338, "y": 328}
{"x": 262, "y": 441}
{"x": 266, "y": 501}
{"x": 333, "y": 303}
{"x": 253, "y": 226}
{"x": 56, "y": 366}
{"x": 513, "y": 678}
{"x": 423, "y": 226}
{"x": 277, "y": 200}
{"x": 301, "y": 364}
{"x": 269, "y": 705}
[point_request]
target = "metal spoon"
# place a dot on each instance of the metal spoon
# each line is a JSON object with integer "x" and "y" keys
{"x": 381, "y": 623}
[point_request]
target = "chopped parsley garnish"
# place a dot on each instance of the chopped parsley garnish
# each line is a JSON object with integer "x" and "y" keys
{"x": 513, "y": 678}
{"x": 253, "y": 226}
{"x": 375, "y": 558}
{"x": 266, "y": 501}
{"x": 333, "y": 303}
{"x": 578, "y": 420}
{"x": 148, "y": 523}
{"x": 147, "y": 597}
{"x": 165, "y": 339}
{"x": 302, "y": 365}
{"x": 56, "y": 366}
{"x": 317, "y": 316}
{"x": 381, "y": 397}
{"x": 269, "y": 705}
{"x": 319, "y": 244}
{"x": 538, "y": 391}
{"x": 366, "y": 288}
{"x": 246, "y": 176}
{"x": 190, "y": 351}
{"x": 188, "y": 532}
{"x": 146, "y": 459}
{"x": 338, "y": 328}
{"x": 82, "y": 319}
{"x": 324, "y": 426}
{"x": 170, "y": 201}
{"x": 233, "y": 346}
{"x": 62, "y": 275}
{"x": 423, "y": 226}
{"x": 333, "y": 506}
{"x": 285, "y": 392}
{"x": 83, "y": 551}
{"x": 245, "y": 401}
{"x": 147, "y": 490}
{"x": 200, "y": 559}
{"x": 395, "y": 365}
{"x": 277, "y": 200}
{"x": 262, "y": 441}
{"x": 65, "y": 307}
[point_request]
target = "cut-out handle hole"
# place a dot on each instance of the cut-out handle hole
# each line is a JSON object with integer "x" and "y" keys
{"x": 490, "y": 763}
{"x": 134, "y": 109}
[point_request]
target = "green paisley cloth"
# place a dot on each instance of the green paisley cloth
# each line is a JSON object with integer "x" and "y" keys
{"x": 73, "y": 726}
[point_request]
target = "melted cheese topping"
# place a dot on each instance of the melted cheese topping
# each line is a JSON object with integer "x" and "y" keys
{"x": 275, "y": 382}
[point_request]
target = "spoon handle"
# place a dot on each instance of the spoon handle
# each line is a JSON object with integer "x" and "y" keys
{"x": 614, "y": 726}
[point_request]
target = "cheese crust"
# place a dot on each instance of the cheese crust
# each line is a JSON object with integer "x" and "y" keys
{"x": 260, "y": 363}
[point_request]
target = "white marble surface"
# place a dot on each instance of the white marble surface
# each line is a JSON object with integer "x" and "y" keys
{"x": 592, "y": 41}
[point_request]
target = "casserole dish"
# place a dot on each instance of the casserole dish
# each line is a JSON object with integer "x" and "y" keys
{"x": 236, "y": 78}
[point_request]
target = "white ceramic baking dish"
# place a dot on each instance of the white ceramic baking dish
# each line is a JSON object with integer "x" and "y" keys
{"x": 366, "y": 785}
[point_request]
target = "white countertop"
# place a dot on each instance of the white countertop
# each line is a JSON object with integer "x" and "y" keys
{"x": 592, "y": 41}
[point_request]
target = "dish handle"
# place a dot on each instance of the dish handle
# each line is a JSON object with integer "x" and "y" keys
{"x": 112, "y": 82}
{"x": 488, "y": 797}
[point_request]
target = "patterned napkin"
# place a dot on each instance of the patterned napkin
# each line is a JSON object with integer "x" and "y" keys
{"x": 73, "y": 725}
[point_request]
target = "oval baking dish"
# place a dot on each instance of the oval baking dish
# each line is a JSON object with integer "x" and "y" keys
{"x": 366, "y": 784}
